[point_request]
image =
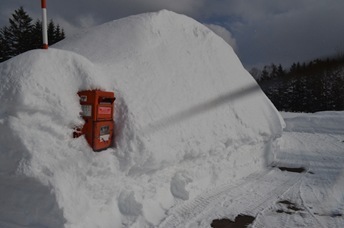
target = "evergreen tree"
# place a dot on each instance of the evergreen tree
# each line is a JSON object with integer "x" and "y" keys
{"x": 280, "y": 71}
{"x": 306, "y": 87}
{"x": 293, "y": 69}
{"x": 21, "y": 35}
{"x": 55, "y": 34}
{"x": 37, "y": 35}
{"x": 3, "y": 47}
{"x": 273, "y": 73}
{"x": 58, "y": 34}
{"x": 264, "y": 74}
{"x": 51, "y": 30}
{"x": 18, "y": 34}
{"x": 338, "y": 94}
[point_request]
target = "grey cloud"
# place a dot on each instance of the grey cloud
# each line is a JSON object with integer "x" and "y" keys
{"x": 299, "y": 34}
{"x": 224, "y": 34}
{"x": 105, "y": 10}
{"x": 265, "y": 31}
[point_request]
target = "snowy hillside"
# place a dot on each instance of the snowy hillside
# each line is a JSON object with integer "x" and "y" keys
{"x": 188, "y": 118}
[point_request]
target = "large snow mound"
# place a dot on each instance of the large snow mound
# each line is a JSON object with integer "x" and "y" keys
{"x": 188, "y": 117}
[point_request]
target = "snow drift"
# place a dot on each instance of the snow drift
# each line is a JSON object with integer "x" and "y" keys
{"x": 188, "y": 118}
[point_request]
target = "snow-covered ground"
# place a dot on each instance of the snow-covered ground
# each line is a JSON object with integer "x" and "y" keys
{"x": 196, "y": 139}
{"x": 302, "y": 188}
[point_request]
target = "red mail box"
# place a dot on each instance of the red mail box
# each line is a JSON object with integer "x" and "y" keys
{"x": 97, "y": 110}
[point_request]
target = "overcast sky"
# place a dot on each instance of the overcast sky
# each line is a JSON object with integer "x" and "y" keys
{"x": 261, "y": 31}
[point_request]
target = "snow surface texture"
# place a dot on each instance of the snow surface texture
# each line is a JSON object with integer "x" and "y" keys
{"x": 310, "y": 197}
{"x": 188, "y": 118}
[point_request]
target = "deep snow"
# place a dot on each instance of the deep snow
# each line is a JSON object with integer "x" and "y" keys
{"x": 189, "y": 118}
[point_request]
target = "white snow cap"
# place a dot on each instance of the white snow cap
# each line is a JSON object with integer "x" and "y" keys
{"x": 188, "y": 117}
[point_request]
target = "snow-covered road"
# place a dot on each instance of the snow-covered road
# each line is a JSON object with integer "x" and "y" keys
{"x": 303, "y": 188}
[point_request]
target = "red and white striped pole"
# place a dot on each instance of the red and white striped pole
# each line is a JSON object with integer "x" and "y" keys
{"x": 44, "y": 24}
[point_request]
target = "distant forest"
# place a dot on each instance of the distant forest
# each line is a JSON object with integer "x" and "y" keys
{"x": 312, "y": 86}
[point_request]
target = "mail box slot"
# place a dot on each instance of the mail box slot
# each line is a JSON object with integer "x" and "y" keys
{"x": 97, "y": 105}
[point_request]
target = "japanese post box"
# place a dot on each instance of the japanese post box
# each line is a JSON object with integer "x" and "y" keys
{"x": 97, "y": 110}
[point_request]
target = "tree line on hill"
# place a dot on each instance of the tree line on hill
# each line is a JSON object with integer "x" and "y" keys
{"x": 23, "y": 35}
{"x": 312, "y": 86}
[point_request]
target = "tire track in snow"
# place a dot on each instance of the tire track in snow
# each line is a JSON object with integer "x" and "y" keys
{"x": 320, "y": 200}
{"x": 323, "y": 156}
{"x": 272, "y": 197}
{"x": 179, "y": 215}
{"x": 232, "y": 200}
{"x": 294, "y": 196}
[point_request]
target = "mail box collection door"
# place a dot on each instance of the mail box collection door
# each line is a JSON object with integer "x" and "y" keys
{"x": 102, "y": 134}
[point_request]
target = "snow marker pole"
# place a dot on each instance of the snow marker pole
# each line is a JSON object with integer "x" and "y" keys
{"x": 44, "y": 24}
